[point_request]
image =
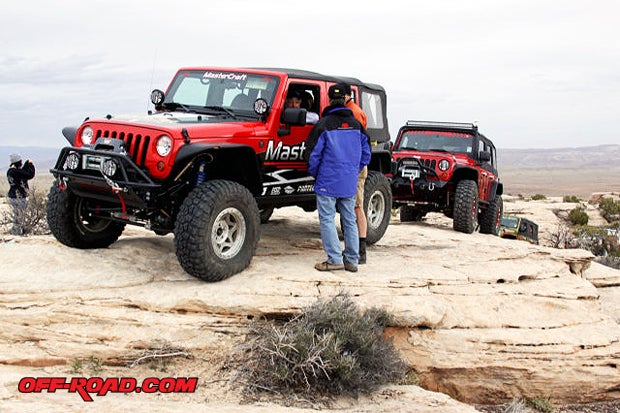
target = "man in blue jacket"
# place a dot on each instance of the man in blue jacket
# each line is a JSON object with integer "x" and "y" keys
{"x": 338, "y": 147}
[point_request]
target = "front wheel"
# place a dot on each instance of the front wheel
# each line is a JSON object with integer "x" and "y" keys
{"x": 465, "y": 211}
{"x": 217, "y": 230}
{"x": 377, "y": 205}
{"x": 74, "y": 222}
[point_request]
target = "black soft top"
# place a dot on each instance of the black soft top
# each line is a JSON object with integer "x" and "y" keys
{"x": 307, "y": 74}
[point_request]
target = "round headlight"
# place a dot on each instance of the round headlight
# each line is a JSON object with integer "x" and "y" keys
{"x": 87, "y": 135}
{"x": 444, "y": 165}
{"x": 164, "y": 145}
{"x": 72, "y": 162}
{"x": 108, "y": 167}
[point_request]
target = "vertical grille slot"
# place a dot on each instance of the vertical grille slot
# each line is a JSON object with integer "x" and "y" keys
{"x": 136, "y": 144}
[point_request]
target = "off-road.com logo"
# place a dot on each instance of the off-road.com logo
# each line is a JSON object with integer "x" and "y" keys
{"x": 99, "y": 386}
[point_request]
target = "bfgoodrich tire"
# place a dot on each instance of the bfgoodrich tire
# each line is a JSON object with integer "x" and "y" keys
{"x": 465, "y": 217}
{"x": 72, "y": 221}
{"x": 377, "y": 205}
{"x": 217, "y": 230}
{"x": 491, "y": 216}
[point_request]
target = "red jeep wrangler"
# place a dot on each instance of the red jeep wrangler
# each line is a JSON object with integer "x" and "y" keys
{"x": 213, "y": 160}
{"x": 447, "y": 167}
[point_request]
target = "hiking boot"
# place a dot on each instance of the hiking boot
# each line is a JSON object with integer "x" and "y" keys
{"x": 362, "y": 259}
{"x": 350, "y": 267}
{"x": 328, "y": 266}
{"x": 362, "y": 251}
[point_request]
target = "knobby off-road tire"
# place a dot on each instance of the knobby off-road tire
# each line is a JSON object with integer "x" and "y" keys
{"x": 465, "y": 216}
{"x": 377, "y": 205}
{"x": 491, "y": 216}
{"x": 217, "y": 230}
{"x": 410, "y": 214}
{"x": 71, "y": 222}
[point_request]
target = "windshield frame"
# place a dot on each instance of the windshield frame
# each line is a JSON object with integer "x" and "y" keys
{"x": 213, "y": 92}
{"x": 438, "y": 141}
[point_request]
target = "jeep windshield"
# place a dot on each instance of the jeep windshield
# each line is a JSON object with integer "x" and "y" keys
{"x": 509, "y": 222}
{"x": 438, "y": 141}
{"x": 219, "y": 93}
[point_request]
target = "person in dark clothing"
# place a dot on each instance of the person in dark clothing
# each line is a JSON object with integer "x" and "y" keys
{"x": 339, "y": 150}
{"x": 18, "y": 176}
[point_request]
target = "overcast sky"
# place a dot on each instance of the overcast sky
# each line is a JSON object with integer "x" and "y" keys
{"x": 532, "y": 73}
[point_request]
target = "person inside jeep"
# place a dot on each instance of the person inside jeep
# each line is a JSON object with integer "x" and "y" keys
{"x": 294, "y": 99}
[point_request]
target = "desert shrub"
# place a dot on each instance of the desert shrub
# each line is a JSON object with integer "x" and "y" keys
{"x": 612, "y": 261}
{"x": 578, "y": 216}
{"x": 610, "y": 209}
{"x": 541, "y": 404}
{"x": 571, "y": 199}
{"x": 34, "y": 219}
{"x": 560, "y": 237}
{"x": 538, "y": 197}
{"x": 331, "y": 348}
{"x": 596, "y": 240}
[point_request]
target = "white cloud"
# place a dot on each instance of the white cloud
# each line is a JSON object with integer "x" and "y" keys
{"x": 534, "y": 73}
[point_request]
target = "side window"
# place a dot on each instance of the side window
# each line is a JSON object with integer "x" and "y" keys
{"x": 308, "y": 96}
{"x": 371, "y": 104}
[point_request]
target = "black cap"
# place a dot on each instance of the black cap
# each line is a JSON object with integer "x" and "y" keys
{"x": 346, "y": 87}
{"x": 336, "y": 91}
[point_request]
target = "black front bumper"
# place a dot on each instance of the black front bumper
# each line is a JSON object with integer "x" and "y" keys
{"x": 129, "y": 185}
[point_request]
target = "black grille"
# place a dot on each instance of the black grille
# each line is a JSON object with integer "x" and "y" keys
{"x": 136, "y": 145}
{"x": 429, "y": 163}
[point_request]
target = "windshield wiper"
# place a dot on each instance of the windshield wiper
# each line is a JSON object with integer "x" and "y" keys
{"x": 222, "y": 109}
{"x": 174, "y": 105}
{"x": 438, "y": 150}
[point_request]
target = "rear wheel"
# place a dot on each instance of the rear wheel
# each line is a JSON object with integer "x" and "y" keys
{"x": 217, "y": 230}
{"x": 491, "y": 216}
{"x": 377, "y": 205}
{"x": 74, "y": 222}
{"x": 465, "y": 213}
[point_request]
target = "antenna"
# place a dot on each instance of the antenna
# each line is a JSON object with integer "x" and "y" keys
{"x": 152, "y": 77}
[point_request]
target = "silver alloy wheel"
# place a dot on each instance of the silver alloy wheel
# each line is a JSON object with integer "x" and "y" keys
{"x": 228, "y": 233}
{"x": 376, "y": 209}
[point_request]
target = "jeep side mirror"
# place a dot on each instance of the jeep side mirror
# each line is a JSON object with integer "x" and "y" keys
{"x": 484, "y": 156}
{"x": 294, "y": 116}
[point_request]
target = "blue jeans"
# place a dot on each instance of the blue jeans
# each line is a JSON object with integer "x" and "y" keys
{"x": 329, "y": 235}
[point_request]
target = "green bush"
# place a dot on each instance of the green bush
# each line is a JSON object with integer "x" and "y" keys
{"x": 538, "y": 197}
{"x": 610, "y": 209}
{"x": 331, "y": 348}
{"x": 578, "y": 216}
{"x": 571, "y": 199}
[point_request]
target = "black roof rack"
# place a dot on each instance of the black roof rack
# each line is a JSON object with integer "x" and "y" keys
{"x": 422, "y": 124}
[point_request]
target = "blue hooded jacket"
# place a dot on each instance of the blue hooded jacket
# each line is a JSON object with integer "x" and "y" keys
{"x": 339, "y": 150}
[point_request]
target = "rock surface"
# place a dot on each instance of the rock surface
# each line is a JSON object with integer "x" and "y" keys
{"x": 479, "y": 318}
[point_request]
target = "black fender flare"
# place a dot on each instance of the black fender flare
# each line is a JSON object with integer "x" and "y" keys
{"x": 240, "y": 158}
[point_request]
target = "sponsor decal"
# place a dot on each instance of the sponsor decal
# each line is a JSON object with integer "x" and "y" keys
{"x": 85, "y": 387}
{"x": 305, "y": 188}
{"x": 275, "y": 190}
{"x": 281, "y": 152}
{"x": 225, "y": 76}
{"x": 289, "y": 190}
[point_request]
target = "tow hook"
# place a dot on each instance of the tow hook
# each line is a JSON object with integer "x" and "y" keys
{"x": 116, "y": 188}
{"x": 62, "y": 183}
{"x": 431, "y": 186}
